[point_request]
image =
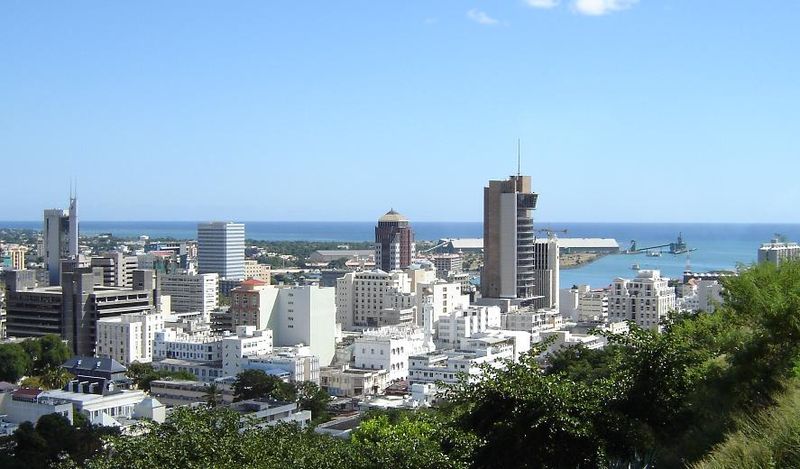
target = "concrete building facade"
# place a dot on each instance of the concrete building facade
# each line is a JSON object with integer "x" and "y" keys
{"x": 295, "y": 314}
{"x": 128, "y": 338}
{"x": 778, "y": 251}
{"x": 374, "y": 299}
{"x": 508, "y": 240}
{"x": 60, "y": 238}
{"x": 220, "y": 249}
{"x": 645, "y": 300}
{"x": 190, "y": 292}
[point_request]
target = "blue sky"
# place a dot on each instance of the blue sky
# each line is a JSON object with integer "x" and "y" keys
{"x": 669, "y": 110}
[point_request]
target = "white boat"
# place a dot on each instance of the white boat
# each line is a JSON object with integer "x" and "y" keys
{"x": 654, "y": 253}
{"x": 635, "y": 267}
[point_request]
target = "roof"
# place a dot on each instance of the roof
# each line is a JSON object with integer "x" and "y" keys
{"x": 253, "y": 282}
{"x": 465, "y": 243}
{"x": 345, "y": 252}
{"x": 587, "y": 243}
{"x": 108, "y": 365}
{"x": 392, "y": 216}
{"x": 27, "y": 393}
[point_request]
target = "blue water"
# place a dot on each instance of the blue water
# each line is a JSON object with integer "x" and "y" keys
{"x": 719, "y": 246}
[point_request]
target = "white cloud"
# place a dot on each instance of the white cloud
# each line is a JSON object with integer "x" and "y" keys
{"x": 601, "y": 7}
{"x": 481, "y": 17}
{"x": 542, "y": 3}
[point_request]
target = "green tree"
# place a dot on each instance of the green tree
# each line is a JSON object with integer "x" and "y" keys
{"x": 411, "y": 440}
{"x": 206, "y": 438}
{"x": 311, "y": 397}
{"x": 55, "y": 377}
{"x": 254, "y": 384}
{"x": 54, "y": 352}
{"x": 14, "y": 362}
{"x": 30, "y": 449}
{"x": 213, "y": 395}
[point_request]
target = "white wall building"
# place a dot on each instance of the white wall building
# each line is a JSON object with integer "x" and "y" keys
{"x": 342, "y": 381}
{"x": 462, "y": 322}
{"x": 190, "y": 292}
{"x": 443, "y": 296}
{"x": 295, "y": 314}
{"x": 645, "y": 300}
{"x": 97, "y": 408}
{"x": 546, "y": 272}
{"x": 128, "y": 338}
{"x": 778, "y": 251}
{"x": 531, "y": 320}
{"x": 296, "y": 364}
{"x": 388, "y": 349}
{"x": 446, "y": 366}
{"x": 374, "y": 299}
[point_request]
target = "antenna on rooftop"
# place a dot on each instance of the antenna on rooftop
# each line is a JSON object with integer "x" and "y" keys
{"x": 519, "y": 157}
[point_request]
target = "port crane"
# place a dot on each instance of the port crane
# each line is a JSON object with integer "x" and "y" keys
{"x": 678, "y": 247}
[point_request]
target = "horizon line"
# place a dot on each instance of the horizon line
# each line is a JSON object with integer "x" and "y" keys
{"x": 427, "y": 221}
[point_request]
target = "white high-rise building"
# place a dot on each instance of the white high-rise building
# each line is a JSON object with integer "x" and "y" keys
{"x": 128, "y": 338}
{"x": 296, "y": 315}
{"x": 220, "y": 249}
{"x": 190, "y": 292}
{"x": 546, "y": 272}
{"x": 645, "y": 300}
{"x": 778, "y": 251}
{"x": 60, "y": 238}
{"x": 374, "y": 299}
{"x": 443, "y": 296}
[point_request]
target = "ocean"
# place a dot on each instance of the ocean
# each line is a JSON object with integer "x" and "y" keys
{"x": 718, "y": 245}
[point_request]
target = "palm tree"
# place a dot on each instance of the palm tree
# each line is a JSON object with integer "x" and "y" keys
{"x": 55, "y": 377}
{"x": 213, "y": 395}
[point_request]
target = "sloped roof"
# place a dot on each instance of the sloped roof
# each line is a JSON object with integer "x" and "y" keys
{"x": 108, "y": 365}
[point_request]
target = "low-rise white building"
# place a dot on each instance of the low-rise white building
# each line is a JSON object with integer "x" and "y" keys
{"x": 19, "y": 405}
{"x": 447, "y": 366}
{"x": 295, "y": 364}
{"x": 342, "y": 381}
{"x": 531, "y": 320}
{"x": 388, "y": 349}
{"x": 98, "y": 407}
{"x": 463, "y": 322}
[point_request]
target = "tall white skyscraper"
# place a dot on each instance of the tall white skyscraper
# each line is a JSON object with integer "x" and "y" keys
{"x": 60, "y": 238}
{"x": 220, "y": 249}
{"x": 546, "y": 272}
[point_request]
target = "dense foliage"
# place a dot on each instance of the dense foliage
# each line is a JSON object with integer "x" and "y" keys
{"x": 32, "y": 357}
{"x": 666, "y": 400}
{"x": 255, "y": 384}
{"x": 142, "y": 374}
{"x": 52, "y": 439}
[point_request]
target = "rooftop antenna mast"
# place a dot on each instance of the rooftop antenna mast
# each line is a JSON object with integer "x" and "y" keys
{"x": 519, "y": 158}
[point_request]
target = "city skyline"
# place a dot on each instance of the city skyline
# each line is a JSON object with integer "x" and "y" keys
{"x": 628, "y": 111}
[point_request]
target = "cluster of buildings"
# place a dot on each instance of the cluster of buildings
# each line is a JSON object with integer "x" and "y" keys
{"x": 384, "y": 330}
